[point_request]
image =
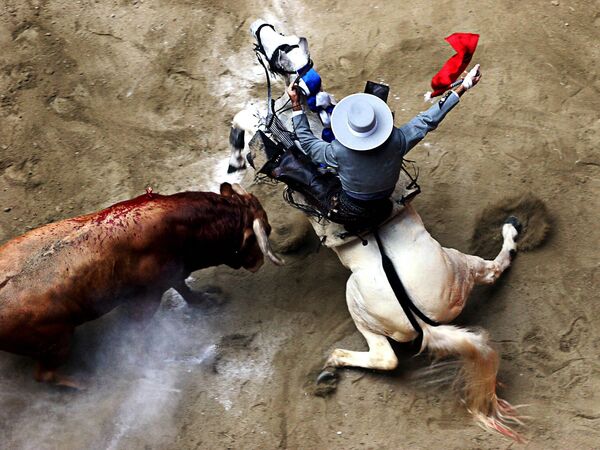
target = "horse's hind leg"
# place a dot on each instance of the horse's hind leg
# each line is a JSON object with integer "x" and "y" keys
{"x": 486, "y": 271}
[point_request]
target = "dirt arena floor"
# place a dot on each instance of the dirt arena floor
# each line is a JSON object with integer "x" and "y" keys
{"x": 99, "y": 99}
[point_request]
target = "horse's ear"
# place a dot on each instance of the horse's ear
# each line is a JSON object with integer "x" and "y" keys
{"x": 303, "y": 44}
{"x": 226, "y": 190}
{"x": 283, "y": 62}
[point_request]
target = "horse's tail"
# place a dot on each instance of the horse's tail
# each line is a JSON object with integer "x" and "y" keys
{"x": 477, "y": 375}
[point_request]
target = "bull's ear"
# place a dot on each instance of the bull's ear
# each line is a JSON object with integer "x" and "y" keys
{"x": 226, "y": 190}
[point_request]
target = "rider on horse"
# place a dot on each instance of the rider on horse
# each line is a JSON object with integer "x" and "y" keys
{"x": 368, "y": 150}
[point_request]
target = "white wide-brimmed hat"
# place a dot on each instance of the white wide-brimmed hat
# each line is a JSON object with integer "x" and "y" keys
{"x": 362, "y": 122}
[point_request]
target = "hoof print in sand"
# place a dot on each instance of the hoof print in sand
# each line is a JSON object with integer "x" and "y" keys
{"x": 232, "y": 351}
{"x": 531, "y": 213}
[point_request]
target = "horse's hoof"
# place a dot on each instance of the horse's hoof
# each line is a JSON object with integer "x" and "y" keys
{"x": 515, "y": 223}
{"x": 232, "y": 169}
{"x": 327, "y": 374}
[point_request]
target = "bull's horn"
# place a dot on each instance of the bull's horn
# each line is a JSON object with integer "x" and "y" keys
{"x": 238, "y": 189}
{"x": 263, "y": 242}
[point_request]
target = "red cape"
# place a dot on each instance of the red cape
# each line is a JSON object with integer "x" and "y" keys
{"x": 465, "y": 45}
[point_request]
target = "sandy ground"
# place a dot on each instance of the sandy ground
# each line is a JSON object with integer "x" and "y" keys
{"x": 99, "y": 99}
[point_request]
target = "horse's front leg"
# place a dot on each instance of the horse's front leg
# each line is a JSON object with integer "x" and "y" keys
{"x": 236, "y": 145}
{"x": 243, "y": 127}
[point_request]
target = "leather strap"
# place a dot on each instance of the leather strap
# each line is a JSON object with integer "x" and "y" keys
{"x": 408, "y": 306}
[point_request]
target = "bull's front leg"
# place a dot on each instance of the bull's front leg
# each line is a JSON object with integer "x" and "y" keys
{"x": 211, "y": 295}
{"x": 54, "y": 354}
{"x": 140, "y": 310}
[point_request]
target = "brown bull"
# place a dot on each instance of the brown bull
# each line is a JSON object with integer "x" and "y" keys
{"x": 63, "y": 274}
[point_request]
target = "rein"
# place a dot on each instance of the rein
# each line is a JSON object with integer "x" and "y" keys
{"x": 259, "y": 46}
{"x": 408, "y": 306}
{"x": 269, "y": 66}
{"x": 270, "y": 101}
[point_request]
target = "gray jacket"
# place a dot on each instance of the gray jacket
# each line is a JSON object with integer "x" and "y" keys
{"x": 374, "y": 173}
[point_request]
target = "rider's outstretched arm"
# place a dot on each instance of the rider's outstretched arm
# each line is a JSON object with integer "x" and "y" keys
{"x": 427, "y": 121}
{"x": 424, "y": 122}
{"x": 316, "y": 149}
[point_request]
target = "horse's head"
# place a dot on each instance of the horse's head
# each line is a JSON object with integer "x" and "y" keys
{"x": 292, "y": 60}
{"x": 287, "y": 54}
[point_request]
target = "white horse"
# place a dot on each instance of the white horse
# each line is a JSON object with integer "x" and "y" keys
{"x": 437, "y": 280}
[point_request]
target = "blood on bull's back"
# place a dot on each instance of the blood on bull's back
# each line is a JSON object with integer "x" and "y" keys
{"x": 69, "y": 272}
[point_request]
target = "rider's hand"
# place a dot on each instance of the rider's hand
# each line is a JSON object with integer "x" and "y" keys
{"x": 292, "y": 92}
{"x": 472, "y": 78}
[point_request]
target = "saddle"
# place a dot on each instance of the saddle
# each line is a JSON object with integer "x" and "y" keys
{"x": 317, "y": 186}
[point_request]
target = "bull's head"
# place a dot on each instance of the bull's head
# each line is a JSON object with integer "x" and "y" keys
{"x": 255, "y": 243}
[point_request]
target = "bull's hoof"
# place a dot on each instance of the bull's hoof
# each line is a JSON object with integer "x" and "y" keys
{"x": 64, "y": 382}
{"x": 515, "y": 223}
{"x": 328, "y": 374}
{"x": 232, "y": 169}
{"x": 71, "y": 384}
